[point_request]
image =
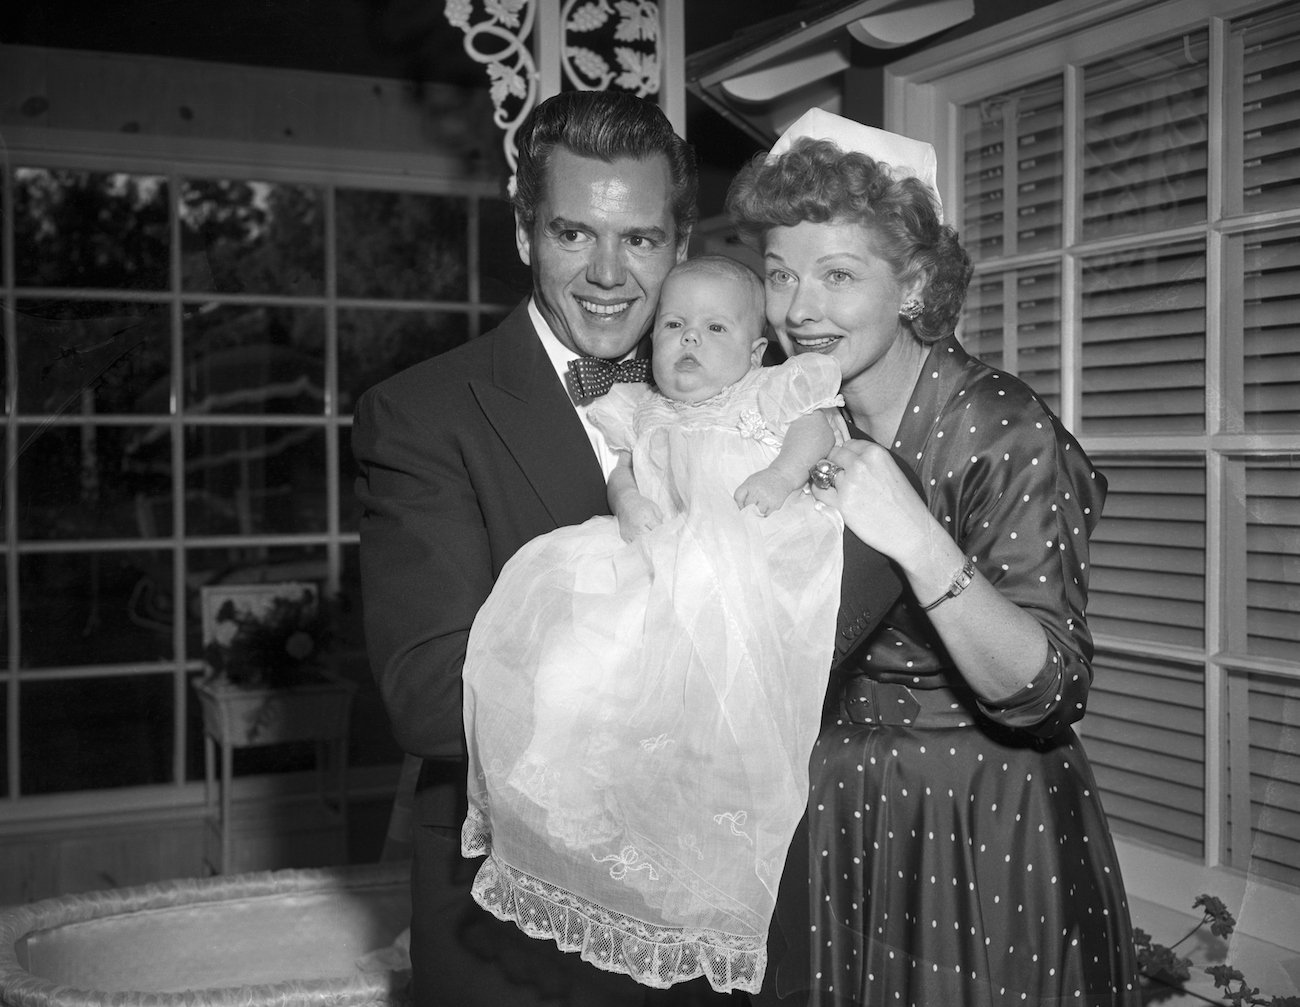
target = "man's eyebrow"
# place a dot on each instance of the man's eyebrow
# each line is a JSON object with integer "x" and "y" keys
{"x": 651, "y": 232}
{"x": 565, "y": 224}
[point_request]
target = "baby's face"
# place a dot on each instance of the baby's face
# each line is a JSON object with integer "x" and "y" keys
{"x": 707, "y": 335}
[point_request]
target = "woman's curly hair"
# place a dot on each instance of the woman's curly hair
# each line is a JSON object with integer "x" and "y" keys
{"x": 817, "y": 182}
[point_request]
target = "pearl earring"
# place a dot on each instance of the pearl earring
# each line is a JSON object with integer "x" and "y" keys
{"x": 911, "y": 309}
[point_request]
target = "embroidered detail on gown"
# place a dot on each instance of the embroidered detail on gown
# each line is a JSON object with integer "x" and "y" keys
{"x": 640, "y": 715}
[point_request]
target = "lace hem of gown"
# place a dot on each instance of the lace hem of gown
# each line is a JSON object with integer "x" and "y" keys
{"x": 655, "y": 956}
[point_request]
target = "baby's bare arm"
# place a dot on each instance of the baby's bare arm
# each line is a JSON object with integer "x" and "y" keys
{"x": 808, "y": 439}
{"x": 636, "y": 513}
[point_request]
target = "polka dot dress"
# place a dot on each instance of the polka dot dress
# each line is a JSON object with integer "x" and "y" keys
{"x": 959, "y": 853}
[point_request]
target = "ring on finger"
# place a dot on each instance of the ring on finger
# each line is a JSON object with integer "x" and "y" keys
{"x": 822, "y": 474}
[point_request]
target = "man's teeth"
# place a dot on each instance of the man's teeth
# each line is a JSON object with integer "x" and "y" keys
{"x": 604, "y": 309}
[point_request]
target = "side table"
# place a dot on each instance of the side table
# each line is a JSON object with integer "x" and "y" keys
{"x": 240, "y": 717}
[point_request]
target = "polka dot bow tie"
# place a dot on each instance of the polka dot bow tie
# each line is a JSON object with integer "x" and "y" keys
{"x": 590, "y": 377}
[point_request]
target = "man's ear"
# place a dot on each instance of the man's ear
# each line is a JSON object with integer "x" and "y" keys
{"x": 523, "y": 240}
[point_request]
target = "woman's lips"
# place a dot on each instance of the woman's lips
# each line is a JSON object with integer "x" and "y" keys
{"x": 814, "y": 344}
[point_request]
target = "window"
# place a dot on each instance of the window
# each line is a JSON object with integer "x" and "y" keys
{"x": 1126, "y": 180}
{"x": 184, "y": 351}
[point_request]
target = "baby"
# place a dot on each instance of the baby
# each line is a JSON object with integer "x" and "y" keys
{"x": 642, "y": 691}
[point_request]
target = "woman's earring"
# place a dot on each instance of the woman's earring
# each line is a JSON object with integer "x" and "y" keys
{"x": 911, "y": 309}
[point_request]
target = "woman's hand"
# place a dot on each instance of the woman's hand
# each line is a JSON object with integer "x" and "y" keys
{"x": 997, "y": 646}
{"x": 878, "y": 503}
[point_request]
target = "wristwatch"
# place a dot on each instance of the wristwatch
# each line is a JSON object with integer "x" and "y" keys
{"x": 960, "y": 582}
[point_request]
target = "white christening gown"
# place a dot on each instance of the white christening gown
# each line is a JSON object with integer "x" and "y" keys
{"x": 640, "y": 714}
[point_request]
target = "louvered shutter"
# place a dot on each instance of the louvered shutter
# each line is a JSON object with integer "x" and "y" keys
{"x": 1269, "y": 46}
{"x": 1143, "y": 350}
{"x": 1266, "y": 776}
{"x": 1013, "y": 170}
{"x": 1156, "y": 708}
{"x": 1145, "y": 128}
{"x": 1148, "y": 552}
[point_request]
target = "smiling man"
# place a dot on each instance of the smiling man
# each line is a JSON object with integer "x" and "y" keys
{"x": 467, "y": 456}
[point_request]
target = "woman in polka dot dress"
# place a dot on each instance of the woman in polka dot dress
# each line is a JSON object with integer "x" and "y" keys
{"x": 958, "y": 851}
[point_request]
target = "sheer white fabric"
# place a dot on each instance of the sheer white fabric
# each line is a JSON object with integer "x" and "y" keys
{"x": 640, "y": 715}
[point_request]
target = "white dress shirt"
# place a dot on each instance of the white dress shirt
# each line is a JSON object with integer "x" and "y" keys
{"x": 560, "y": 355}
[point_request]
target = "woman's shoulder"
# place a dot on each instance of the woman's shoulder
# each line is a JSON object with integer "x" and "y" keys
{"x": 982, "y": 386}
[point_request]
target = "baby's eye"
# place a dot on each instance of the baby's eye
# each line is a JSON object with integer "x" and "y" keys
{"x": 717, "y": 327}
{"x": 670, "y": 324}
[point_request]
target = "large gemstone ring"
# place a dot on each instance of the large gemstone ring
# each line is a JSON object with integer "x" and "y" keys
{"x": 822, "y": 474}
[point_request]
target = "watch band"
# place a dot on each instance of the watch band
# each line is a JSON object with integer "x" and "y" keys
{"x": 960, "y": 582}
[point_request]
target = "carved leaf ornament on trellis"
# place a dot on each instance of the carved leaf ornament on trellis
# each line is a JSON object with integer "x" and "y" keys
{"x": 638, "y": 22}
{"x": 498, "y": 40}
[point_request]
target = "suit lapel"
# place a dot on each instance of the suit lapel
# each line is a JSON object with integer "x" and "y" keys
{"x": 532, "y": 414}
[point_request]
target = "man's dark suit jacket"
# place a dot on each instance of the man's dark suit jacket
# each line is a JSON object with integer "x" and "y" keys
{"x": 463, "y": 459}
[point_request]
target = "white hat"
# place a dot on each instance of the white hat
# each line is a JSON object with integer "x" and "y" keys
{"x": 907, "y": 157}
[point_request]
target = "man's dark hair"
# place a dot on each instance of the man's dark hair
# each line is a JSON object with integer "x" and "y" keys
{"x": 604, "y": 125}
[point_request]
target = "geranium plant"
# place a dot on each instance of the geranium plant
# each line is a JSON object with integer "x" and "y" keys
{"x": 1160, "y": 962}
{"x": 278, "y": 642}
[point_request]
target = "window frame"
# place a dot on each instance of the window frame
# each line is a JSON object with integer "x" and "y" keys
{"x": 176, "y": 158}
{"x": 923, "y": 97}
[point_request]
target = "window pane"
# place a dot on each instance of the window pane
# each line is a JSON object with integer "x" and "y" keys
{"x": 248, "y": 564}
{"x": 251, "y": 237}
{"x": 1273, "y": 558}
{"x": 1021, "y": 335}
{"x": 1145, "y": 128}
{"x": 254, "y": 360}
{"x": 1144, "y": 341}
{"x": 1148, "y": 552}
{"x": 349, "y": 506}
{"x": 91, "y": 357}
{"x": 4, "y": 749}
{"x": 1143, "y": 733}
{"x": 1270, "y": 120}
{"x": 1270, "y": 291}
{"x": 1038, "y": 331}
{"x": 1272, "y": 778}
{"x": 503, "y": 279}
{"x": 402, "y": 245}
{"x": 983, "y": 319}
{"x": 90, "y": 481}
{"x": 253, "y": 479}
{"x": 1013, "y": 160}
{"x": 83, "y": 609}
{"x": 104, "y": 230}
{"x": 376, "y": 344}
{"x": 88, "y": 733}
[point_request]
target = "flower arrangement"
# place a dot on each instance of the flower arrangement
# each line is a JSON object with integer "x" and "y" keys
{"x": 278, "y": 643}
{"x": 1158, "y": 962}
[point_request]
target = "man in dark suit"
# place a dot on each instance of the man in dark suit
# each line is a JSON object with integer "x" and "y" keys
{"x": 467, "y": 456}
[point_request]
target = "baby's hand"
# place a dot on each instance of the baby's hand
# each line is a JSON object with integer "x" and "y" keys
{"x": 637, "y": 515}
{"x": 765, "y": 489}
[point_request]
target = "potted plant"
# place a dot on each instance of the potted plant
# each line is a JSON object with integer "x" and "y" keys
{"x": 266, "y": 678}
{"x": 1161, "y": 965}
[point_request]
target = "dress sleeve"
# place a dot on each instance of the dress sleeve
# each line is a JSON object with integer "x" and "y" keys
{"x": 797, "y": 387}
{"x": 613, "y": 413}
{"x": 1023, "y": 498}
